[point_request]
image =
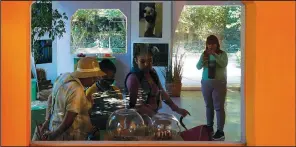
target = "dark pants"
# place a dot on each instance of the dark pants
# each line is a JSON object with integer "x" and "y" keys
{"x": 214, "y": 93}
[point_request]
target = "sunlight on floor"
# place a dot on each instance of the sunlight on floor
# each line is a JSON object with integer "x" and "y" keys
{"x": 194, "y": 103}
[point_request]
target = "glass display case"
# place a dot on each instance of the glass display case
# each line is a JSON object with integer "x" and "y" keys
{"x": 126, "y": 125}
{"x": 165, "y": 126}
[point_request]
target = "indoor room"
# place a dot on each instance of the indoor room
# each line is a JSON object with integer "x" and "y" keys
{"x": 176, "y": 32}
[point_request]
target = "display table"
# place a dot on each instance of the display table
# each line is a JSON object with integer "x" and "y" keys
{"x": 99, "y": 59}
{"x": 102, "y": 109}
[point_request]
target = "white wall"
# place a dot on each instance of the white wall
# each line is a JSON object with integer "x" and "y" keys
{"x": 65, "y": 59}
{"x": 166, "y": 30}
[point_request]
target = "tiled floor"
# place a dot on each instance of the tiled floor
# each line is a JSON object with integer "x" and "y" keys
{"x": 194, "y": 103}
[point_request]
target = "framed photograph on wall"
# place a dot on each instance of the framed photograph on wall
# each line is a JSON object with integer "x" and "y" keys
{"x": 44, "y": 51}
{"x": 160, "y": 50}
{"x": 150, "y": 19}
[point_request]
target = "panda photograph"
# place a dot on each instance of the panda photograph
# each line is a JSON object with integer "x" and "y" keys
{"x": 150, "y": 20}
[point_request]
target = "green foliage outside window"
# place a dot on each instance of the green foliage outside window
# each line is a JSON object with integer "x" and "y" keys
{"x": 45, "y": 20}
{"x": 101, "y": 28}
{"x": 197, "y": 22}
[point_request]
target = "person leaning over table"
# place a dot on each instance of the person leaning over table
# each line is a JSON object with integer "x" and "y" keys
{"x": 213, "y": 84}
{"x": 144, "y": 76}
{"x": 106, "y": 83}
{"x": 69, "y": 118}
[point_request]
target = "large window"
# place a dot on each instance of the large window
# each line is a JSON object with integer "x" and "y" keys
{"x": 95, "y": 31}
{"x": 195, "y": 23}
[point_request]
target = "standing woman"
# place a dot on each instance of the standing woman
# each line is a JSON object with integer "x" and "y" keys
{"x": 214, "y": 61}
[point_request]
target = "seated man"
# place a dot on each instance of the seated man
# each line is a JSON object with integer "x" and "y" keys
{"x": 67, "y": 116}
{"x": 106, "y": 83}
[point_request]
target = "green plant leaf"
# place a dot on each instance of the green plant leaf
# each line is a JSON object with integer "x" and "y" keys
{"x": 45, "y": 20}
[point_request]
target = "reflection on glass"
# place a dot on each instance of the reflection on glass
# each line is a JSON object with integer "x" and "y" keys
{"x": 125, "y": 124}
{"x": 165, "y": 126}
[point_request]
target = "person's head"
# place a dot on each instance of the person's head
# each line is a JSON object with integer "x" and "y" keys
{"x": 88, "y": 71}
{"x": 212, "y": 43}
{"x": 108, "y": 67}
{"x": 143, "y": 57}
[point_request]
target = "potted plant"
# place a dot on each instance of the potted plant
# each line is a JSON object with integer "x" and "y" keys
{"x": 173, "y": 75}
{"x": 45, "y": 20}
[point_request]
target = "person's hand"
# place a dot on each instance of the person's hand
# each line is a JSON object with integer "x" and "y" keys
{"x": 48, "y": 135}
{"x": 182, "y": 112}
{"x": 211, "y": 51}
{"x": 44, "y": 126}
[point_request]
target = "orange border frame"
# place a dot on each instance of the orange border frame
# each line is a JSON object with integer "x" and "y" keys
{"x": 269, "y": 74}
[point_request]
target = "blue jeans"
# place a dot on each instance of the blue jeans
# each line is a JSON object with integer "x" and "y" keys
{"x": 214, "y": 93}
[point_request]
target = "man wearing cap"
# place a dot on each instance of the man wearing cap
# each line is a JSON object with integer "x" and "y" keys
{"x": 69, "y": 113}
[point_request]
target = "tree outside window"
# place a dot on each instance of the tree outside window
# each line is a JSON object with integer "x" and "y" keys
{"x": 195, "y": 23}
{"x": 95, "y": 31}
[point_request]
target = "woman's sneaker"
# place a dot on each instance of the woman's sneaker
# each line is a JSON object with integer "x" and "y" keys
{"x": 219, "y": 136}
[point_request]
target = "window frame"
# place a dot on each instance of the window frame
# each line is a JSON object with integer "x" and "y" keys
{"x": 92, "y": 54}
{"x": 243, "y": 28}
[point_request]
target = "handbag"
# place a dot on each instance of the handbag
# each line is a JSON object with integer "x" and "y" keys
{"x": 198, "y": 133}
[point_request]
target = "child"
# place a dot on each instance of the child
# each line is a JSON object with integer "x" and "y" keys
{"x": 106, "y": 83}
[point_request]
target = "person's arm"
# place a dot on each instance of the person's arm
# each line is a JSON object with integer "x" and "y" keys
{"x": 65, "y": 125}
{"x": 117, "y": 90}
{"x": 49, "y": 107}
{"x": 199, "y": 64}
{"x": 74, "y": 103}
{"x": 167, "y": 100}
{"x": 91, "y": 90}
{"x": 133, "y": 85}
{"x": 221, "y": 59}
{"x": 47, "y": 114}
{"x": 49, "y": 103}
{"x": 172, "y": 105}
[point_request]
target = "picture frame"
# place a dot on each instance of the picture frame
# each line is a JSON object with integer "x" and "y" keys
{"x": 150, "y": 19}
